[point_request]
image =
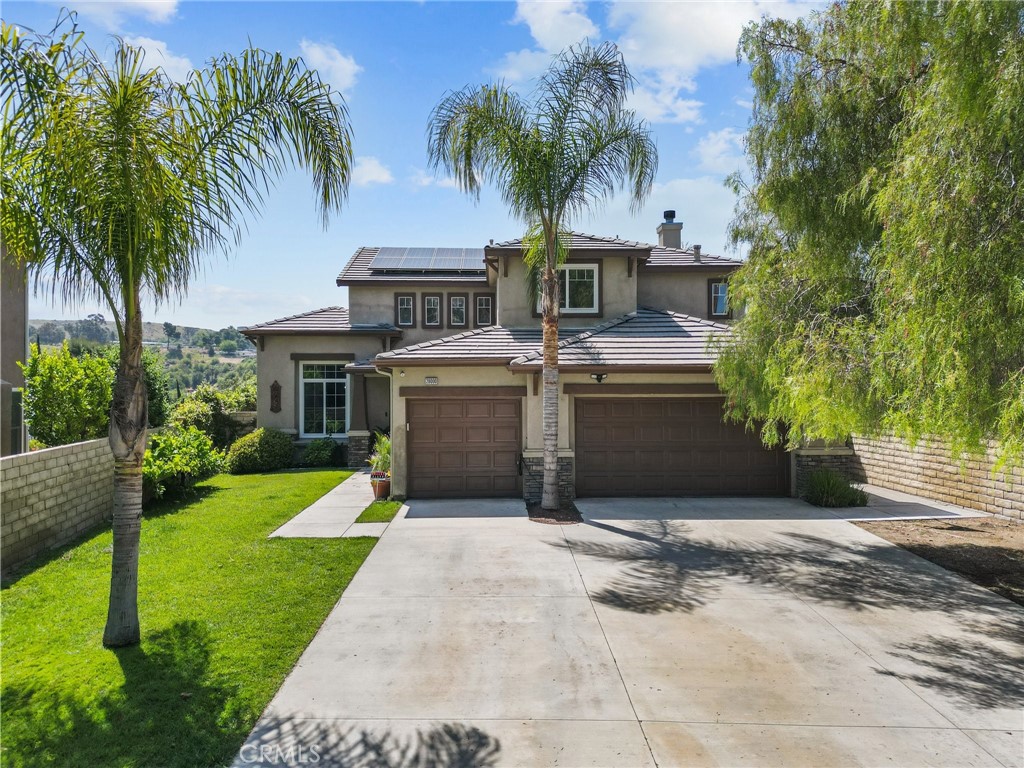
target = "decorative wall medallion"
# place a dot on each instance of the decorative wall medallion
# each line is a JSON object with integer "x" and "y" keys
{"x": 275, "y": 398}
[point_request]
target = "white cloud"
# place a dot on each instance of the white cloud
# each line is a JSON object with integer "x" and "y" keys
{"x": 554, "y": 26}
{"x": 745, "y": 103}
{"x": 663, "y": 104}
{"x": 157, "y": 55}
{"x": 369, "y": 170}
{"x": 667, "y": 44}
{"x": 421, "y": 178}
{"x": 112, "y": 13}
{"x": 335, "y": 67}
{"x": 721, "y": 151}
{"x": 703, "y": 204}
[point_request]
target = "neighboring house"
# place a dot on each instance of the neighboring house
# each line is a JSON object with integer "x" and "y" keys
{"x": 13, "y": 350}
{"x": 442, "y": 347}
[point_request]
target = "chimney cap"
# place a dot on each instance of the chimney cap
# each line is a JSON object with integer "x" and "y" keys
{"x": 670, "y": 216}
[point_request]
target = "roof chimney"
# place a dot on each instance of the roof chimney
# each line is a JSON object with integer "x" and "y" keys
{"x": 670, "y": 232}
{"x": 696, "y": 253}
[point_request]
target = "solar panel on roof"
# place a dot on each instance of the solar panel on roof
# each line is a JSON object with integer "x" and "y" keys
{"x": 429, "y": 260}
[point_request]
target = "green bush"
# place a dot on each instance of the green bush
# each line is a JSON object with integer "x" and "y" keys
{"x": 190, "y": 412}
{"x": 380, "y": 456}
{"x": 828, "y": 488}
{"x": 261, "y": 451}
{"x": 67, "y": 398}
{"x": 176, "y": 460}
{"x": 320, "y": 453}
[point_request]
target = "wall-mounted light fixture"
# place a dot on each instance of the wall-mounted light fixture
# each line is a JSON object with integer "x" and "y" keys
{"x": 599, "y": 377}
{"x": 402, "y": 374}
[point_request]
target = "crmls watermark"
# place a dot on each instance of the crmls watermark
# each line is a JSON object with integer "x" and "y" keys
{"x": 275, "y": 754}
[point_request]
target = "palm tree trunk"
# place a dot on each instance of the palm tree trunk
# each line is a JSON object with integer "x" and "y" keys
{"x": 549, "y": 311}
{"x": 128, "y": 416}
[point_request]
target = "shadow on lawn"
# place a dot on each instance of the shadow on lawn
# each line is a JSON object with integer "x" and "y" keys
{"x": 168, "y": 712}
{"x": 152, "y": 511}
{"x": 666, "y": 567}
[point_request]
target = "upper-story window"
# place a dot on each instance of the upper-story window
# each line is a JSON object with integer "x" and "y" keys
{"x": 457, "y": 310}
{"x": 484, "y": 307}
{"x": 405, "y": 310}
{"x": 718, "y": 298}
{"x": 578, "y": 288}
{"x": 432, "y": 310}
{"x": 324, "y": 399}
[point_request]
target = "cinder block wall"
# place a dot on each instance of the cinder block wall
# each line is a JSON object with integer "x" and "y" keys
{"x": 927, "y": 470}
{"x": 49, "y": 497}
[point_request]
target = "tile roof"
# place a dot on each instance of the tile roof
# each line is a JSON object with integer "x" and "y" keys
{"x": 583, "y": 240}
{"x": 660, "y": 256}
{"x": 329, "y": 320}
{"x": 358, "y": 270}
{"x": 495, "y": 344}
{"x": 647, "y": 338}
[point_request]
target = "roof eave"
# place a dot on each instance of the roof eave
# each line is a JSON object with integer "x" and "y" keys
{"x": 257, "y": 332}
{"x": 613, "y": 368}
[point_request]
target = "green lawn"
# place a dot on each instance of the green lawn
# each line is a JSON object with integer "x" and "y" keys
{"x": 380, "y": 512}
{"x": 225, "y": 614}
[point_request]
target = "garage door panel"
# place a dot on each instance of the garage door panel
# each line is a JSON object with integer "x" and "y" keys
{"x": 671, "y": 446}
{"x": 464, "y": 447}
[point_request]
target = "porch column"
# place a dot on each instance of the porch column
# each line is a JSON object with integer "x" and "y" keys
{"x": 358, "y": 430}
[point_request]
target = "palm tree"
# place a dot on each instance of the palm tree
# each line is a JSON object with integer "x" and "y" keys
{"x": 117, "y": 182}
{"x": 553, "y": 156}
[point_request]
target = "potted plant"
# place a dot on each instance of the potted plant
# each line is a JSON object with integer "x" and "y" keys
{"x": 380, "y": 466}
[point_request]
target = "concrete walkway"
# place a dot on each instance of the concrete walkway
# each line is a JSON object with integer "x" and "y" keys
{"x": 669, "y": 632}
{"x": 333, "y": 514}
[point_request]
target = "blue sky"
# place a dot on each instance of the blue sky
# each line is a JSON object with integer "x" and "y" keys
{"x": 393, "y": 61}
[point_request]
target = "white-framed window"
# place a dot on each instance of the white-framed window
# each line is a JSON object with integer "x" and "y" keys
{"x": 484, "y": 310}
{"x": 323, "y": 399}
{"x": 578, "y": 289}
{"x": 405, "y": 310}
{"x": 457, "y": 311}
{"x": 432, "y": 310}
{"x": 718, "y": 298}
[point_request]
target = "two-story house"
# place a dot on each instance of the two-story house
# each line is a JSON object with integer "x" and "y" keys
{"x": 441, "y": 347}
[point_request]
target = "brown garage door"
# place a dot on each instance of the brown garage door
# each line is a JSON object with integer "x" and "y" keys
{"x": 671, "y": 447}
{"x": 464, "y": 448}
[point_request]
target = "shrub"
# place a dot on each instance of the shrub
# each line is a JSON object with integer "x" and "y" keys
{"x": 67, "y": 398}
{"x": 263, "y": 450}
{"x": 828, "y": 488}
{"x": 193, "y": 413}
{"x": 320, "y": 453}
{"x": 176, "y": 460}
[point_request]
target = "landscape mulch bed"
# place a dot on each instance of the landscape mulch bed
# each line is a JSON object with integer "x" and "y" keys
{"x": 987, "y": 550}
{"x": 566, "y": 514}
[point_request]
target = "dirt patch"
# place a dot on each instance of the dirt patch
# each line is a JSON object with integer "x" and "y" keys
{"x": 566, "y": 514}
{"x": 987, "y": 550}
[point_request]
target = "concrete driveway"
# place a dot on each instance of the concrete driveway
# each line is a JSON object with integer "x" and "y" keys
{"x": 669, "y": 632}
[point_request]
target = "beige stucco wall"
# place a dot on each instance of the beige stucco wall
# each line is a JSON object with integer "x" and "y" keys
{"x": 618, "y": 292}
{"x": 13, "y": 335}
{"x": 499, "y": 376}
{"x": 274, "y": 363}
{"x": 376, "y": 304}
{"x": 685, "y": 292}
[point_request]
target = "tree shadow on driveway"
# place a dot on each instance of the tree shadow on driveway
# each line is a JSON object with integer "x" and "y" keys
{"x": 666, "y": 566}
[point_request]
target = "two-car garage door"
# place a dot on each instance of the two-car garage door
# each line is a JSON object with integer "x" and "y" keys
{"x": 671, "y": 447}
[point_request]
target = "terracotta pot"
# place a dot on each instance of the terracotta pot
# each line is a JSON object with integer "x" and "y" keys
{"x": 381, "y": 488}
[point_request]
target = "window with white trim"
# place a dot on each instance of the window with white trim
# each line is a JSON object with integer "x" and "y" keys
{"x": 324, "y": 399}
{"x": 484, "y": 310}
{"x": 718, "y": 299}
{"x": 405, "y": 310}
{"x": 432, "y": 310}
{"x": 577, "y": 289}
{"x": 457, "y": 311}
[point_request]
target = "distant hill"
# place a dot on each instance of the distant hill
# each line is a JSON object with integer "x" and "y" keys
{"x": 152, "y": 333}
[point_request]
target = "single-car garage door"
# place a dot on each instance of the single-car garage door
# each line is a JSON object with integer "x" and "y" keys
{"x": 671, "y": 447}
{"x": 464, "y": 447}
